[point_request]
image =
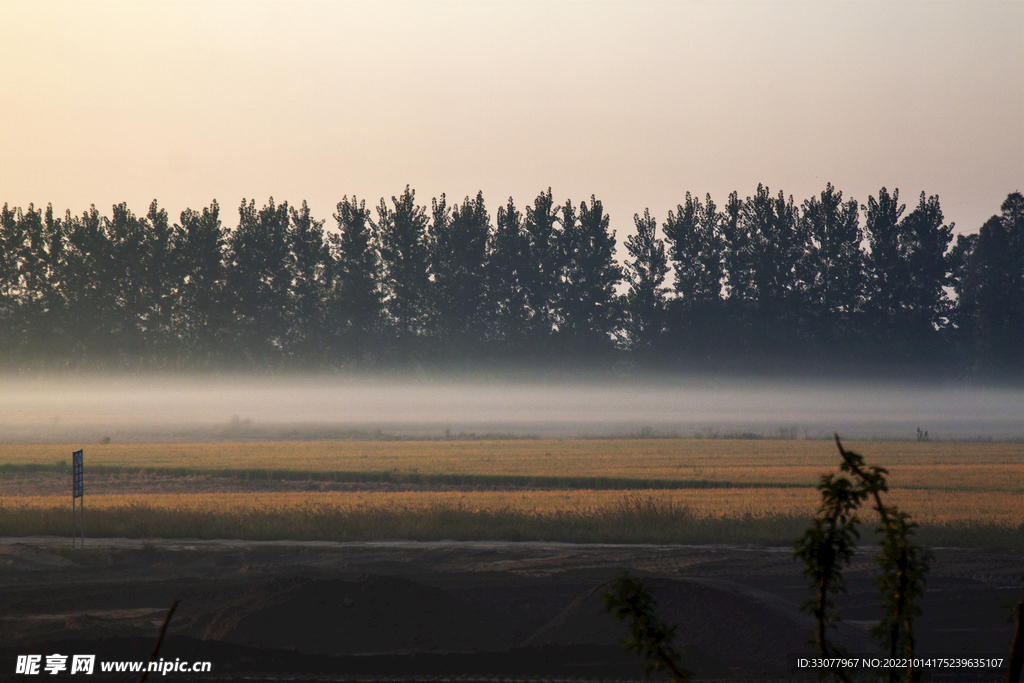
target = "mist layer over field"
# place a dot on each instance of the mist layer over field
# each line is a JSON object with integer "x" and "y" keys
{"x": 144, "y": 408}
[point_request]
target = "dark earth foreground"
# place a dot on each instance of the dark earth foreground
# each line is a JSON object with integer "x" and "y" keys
{"x": 407, "y": 611}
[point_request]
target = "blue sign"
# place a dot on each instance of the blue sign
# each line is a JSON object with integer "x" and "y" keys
{"x": 77, "y": 486}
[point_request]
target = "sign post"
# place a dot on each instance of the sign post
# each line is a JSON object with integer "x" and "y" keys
{"x": 77, "y": 491}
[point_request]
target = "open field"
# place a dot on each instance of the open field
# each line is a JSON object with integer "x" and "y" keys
{"x": 959, "y": 466}
{"x": 658, "y": 490}
{"x": 310, "y": 559}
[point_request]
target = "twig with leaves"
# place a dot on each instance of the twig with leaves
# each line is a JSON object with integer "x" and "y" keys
{"x": 628, "y": 598}
{"x": 826, "y": 548}
{"x": 828, "y": 545}
{"x": 903, "y": 565}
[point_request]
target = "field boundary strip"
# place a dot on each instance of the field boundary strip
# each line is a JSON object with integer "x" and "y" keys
{"x": 407, "y": 478}
{"x": 464, "y": 480}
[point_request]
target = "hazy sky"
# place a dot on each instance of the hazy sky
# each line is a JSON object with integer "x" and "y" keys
{"x": 636, "y": 102}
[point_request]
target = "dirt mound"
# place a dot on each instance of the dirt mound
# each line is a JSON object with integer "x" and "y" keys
{"x": 18, "y": 556}
{"x": 720, "y": 625}
{"x": 365, "y": 615}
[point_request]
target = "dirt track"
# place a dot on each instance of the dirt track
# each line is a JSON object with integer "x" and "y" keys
{"x": 320, "y": 611}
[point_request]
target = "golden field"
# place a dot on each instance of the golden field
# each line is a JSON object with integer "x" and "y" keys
{"x": 925, "y": 506}
{"x": 954, "y": 466}
{"x": 962, "y": 494}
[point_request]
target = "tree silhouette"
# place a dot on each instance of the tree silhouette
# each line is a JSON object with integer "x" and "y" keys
{"x": 84, "y": 273}
{"x": 542, "y": 266}
{"x": 990, "y": 285}
{"x": 458, "y": 255}
{"x": 645, "y": 301}
{"x": 587, "y": 310}
{"x": 406, "y": 259}
{"x": 761, "y": 284}
{"x": 697, "y": 246}
{"x": 833, "y": 273}
{"x": 926, "y": 309}
{"x": 309, "y": 255}
{"x": 354, "y": 301}
{"x": 24, "y": 277}
{"x": 777, "y": 245}
{"x": 40, "y": 325}
{"x": 13, "y": 243}
{"x": 201, "y": 311}
{"x": 695, "y": 236}
{"x": 260, "y": 270}
{"x": 906, "y": 304}
{"x": 508, "y": 266}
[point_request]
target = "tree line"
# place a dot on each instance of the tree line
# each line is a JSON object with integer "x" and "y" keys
{"x": 760, "y": 284}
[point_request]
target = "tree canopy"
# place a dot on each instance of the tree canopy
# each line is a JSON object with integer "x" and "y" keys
{"x": 762, "y": 284}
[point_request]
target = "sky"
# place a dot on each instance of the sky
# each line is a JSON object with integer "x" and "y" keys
{"x": 636, "y": 102}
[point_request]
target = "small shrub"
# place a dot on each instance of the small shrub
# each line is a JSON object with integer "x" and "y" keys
{"x": 828, "y": 544}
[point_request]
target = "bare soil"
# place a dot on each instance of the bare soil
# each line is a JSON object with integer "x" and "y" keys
{"x": 404, "y": 611}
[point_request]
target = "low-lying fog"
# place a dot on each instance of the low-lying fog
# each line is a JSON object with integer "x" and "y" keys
{"x": 159, "y": 408}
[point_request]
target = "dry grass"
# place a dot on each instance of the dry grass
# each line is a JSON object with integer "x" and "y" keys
{"x": 925, "y": 506}
{"x": 773, "y": 516}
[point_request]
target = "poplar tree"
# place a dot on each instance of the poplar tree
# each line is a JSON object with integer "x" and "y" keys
{"x": 990, "y": 287}
{"x": 886, "y": 266}
{"x": 833, "y": 272}
{"x": 764, "y": 244}
{"x": 645, "y": 301}
{"x": 907, "y": 304}
{"x": 405, "y": 257}
{"x": 927, "y": 309}
{"x": 85, "y": 273}
{"x": 32, "y": 300}
{"x": 695, "y": 319}
{"x": 259, "y": 276}
{"x": 694, "y": 234}
{"x": 542, "y": 266}
{"x": 586, "y": 304}
{"x": 355, "y": 298}
{"x": 12, "y": 246}
{"x": 777, "y": 245}
{"x": 458, "y": 255}
{"x": 201, "y": 312}
{"x": 508, "y": 266}
{"x": 309, "y": 256}
{"x": 129, "y": 244}
{"x": 759, "y": 284}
